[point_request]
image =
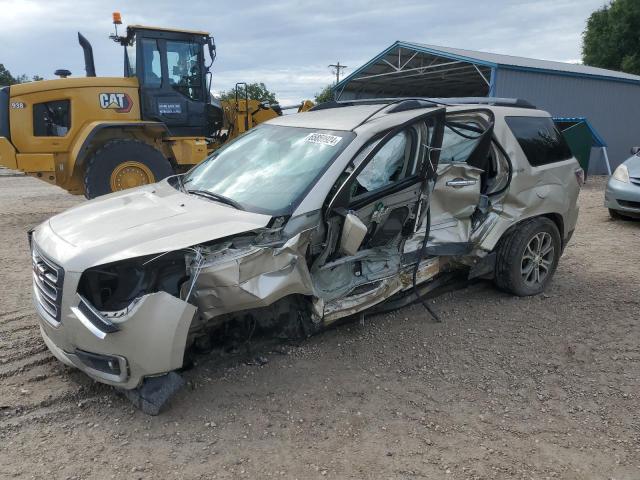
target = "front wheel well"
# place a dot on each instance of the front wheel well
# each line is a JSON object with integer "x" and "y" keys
{"x": 99, "y": 136}
{"x": 124, "y": 163}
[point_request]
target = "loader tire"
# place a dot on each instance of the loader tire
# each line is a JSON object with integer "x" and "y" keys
{"x": 122, "y": 164}
{"x": 533, "y": 246}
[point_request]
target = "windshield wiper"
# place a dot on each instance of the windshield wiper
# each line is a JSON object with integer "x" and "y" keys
{"x": 217, "y": 197}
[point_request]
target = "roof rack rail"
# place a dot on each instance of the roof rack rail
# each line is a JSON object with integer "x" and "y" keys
{"x": 413, "y": 103}
{"x": 495, "y": 101}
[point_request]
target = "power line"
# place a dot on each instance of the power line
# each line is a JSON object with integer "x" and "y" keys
{"x": 337, "y": 68}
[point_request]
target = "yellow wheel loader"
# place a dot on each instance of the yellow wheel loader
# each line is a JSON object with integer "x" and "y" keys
{"x": 96, "y": 135}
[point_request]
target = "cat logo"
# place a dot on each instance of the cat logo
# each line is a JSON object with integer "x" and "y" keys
{"x": 120, "y": 102}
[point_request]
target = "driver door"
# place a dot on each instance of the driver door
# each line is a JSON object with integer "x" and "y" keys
{"x": 386, "y": 194}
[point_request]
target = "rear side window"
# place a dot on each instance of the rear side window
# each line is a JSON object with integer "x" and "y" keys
{"x": 540, "y": 140}
{"x": 458, "y": 142}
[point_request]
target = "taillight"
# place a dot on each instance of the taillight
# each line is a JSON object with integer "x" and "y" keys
{"x": 580, "y": 176}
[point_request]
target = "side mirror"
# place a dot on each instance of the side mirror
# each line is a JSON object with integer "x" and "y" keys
{"x": 635, "y": 150}
{"x": 211, "y": 44}
{"x": 353, "y": 233}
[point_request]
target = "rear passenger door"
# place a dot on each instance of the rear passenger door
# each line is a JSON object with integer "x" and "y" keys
{"x": 459, "y": 186}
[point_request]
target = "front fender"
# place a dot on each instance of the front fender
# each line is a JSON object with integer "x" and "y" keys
{"x": 84, "y": 142}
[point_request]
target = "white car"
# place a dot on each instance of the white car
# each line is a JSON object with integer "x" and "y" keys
{"x": 622, "y": 195}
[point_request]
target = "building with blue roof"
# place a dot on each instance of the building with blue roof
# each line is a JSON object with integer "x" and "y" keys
{"x": 608, "y": 99}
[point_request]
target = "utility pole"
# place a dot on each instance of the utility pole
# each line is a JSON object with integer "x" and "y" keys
{"x": 337, "y": 67}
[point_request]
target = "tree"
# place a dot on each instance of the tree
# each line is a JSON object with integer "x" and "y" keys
{"x": 256, "y": 91}
{"x": 325, "y": 95}
{"x": 23, "y": 78}
{"x": 5, "y": 76}
{"x": 611, "y": 39}
{"x": 7, "y": 79}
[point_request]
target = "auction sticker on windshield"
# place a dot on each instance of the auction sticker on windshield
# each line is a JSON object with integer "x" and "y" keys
{"x": 323, "y": 139}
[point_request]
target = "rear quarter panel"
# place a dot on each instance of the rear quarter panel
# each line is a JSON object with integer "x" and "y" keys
{"x": 534, "y": 191}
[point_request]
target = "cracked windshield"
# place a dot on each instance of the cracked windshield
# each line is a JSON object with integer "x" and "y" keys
{"x": 267, "y": 169}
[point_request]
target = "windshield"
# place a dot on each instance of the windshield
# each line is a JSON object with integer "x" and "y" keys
{"x": 269, "y": 168}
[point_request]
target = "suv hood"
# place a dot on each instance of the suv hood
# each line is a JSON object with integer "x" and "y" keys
{"x": 143, "y": 221}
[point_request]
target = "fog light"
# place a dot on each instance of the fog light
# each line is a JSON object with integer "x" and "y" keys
{"x": 100, "y": 362}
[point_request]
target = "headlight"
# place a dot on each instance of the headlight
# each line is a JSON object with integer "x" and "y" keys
{"x": 113, "y": 287}
{"x": 621, "y": 174}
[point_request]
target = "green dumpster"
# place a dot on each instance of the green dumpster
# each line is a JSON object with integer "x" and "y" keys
{"x": 581, "y": 137}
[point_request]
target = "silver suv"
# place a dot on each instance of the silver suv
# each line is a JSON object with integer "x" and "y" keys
{"x": 302, "y": 221}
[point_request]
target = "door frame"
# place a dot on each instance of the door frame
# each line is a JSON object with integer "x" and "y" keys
{"x": 165, "y": 88}
{"x": 341, "y": 198}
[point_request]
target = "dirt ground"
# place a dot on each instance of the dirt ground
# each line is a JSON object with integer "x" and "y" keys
{"x": 534, "y": 388}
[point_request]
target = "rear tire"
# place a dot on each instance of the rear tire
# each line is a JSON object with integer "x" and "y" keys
{"x": 122, "y": 164}
{"x": 527, "y": 257}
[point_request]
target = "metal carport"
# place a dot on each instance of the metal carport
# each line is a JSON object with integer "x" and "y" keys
{"x": 609, "y": 99}
{"x": 406, "y": 69}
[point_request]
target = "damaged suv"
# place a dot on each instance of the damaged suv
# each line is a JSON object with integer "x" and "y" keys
{"x": 302, "y": 221}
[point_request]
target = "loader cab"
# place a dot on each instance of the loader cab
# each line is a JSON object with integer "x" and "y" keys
{"x": 172, "y": 69}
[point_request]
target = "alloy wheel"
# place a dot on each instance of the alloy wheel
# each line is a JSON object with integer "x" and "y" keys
{"x": 537, "y": 259}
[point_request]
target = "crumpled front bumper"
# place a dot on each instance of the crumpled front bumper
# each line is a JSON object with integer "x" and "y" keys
{"x": 151, "y": 339}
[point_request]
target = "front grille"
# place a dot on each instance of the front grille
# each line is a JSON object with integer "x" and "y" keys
{"x": 47, "y": 281}
{"x": 635, "y": 180}
{"x": 629, "y": 204}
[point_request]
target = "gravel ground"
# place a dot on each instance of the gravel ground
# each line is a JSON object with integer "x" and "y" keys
{"x": 543, "y": 387}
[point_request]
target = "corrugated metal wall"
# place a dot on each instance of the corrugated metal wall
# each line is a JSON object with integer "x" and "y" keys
{"x": 613, "y": 108}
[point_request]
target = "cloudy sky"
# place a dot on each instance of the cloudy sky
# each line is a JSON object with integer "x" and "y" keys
{"x": 285, "y": 43}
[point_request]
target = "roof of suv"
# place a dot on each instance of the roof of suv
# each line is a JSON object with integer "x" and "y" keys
{"x": 347, "y": 116}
